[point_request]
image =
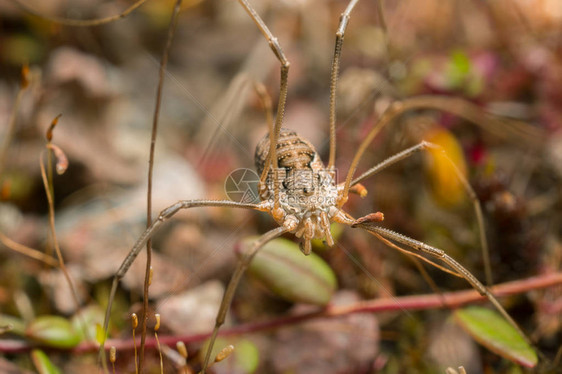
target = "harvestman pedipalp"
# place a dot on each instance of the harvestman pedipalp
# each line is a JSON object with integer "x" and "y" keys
{"x": 286, "y": 162}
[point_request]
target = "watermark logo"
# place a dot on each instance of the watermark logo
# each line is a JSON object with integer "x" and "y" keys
{"x": 298, "y": 186}
{"x": 242, "y": 186}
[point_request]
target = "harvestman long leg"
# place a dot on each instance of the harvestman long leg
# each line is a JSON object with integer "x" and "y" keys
{"x": 458, "y": 107}
{"x": 243, "y": 262}
{"x": 396, "y": 109}
{"x": 270, "y": 163}
{"x": 273, "y": 135}
{"x": 148, "y": 233}
{"x": 272, "y": 160}
{"x": 340, "y": 33}
{"x": 454, "y": 106}
{"x": 383, "y": 234}
{"x": 426, "y": 146}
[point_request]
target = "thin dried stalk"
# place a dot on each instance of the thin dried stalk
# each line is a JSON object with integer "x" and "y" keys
{"x": 163, "y": 64}
{"x": 27, "y": 251}
{"x": 49, "y": 188}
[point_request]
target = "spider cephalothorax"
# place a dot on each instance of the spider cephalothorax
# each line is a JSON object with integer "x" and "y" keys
{"x": 307, "y": 192}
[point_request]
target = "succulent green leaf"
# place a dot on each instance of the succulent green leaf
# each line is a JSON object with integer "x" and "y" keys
{"x": 42, "y": 363}
{"x": 53, "y": 331}
{"x": 100, "y": 334}
{"x": 336, "y": 230}
{"x": 286, "y": 271}
{"x": 85, "y": 322}
{"x": 491, "y": 330}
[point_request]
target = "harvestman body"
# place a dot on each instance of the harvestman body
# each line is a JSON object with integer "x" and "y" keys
{"x": 301, "y": 194}
{"x": 307, "y": 193}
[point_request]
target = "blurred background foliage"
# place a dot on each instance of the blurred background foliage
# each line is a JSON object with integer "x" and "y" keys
{"x": 504, "y": 56}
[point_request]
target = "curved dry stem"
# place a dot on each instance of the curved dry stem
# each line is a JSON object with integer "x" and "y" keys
{"x": 163, "y": 64}
{"x": 47, "y": 184}
{"x": 380, "y": 305}
{"x": 382, "y": 22}
{"x": 27, "y": 251}
{"x": 243, "y": 263}
{"x": 164, "y": 215}
{"x": 428, "y": 279}
{"x": 381, "y": 233}
{"x": 79, "y": 22}
{"x": 425, "y": 146}
{"x": 512, "y": 130}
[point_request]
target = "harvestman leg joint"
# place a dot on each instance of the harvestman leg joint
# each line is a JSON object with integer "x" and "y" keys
{"x": 283, "y": 157}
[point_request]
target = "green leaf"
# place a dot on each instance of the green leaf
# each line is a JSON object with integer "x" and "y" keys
{"x": 491, "y": 330}
{"x": 283, "y": 268}
{"x": 42, "y": 363}
{"x": 336, "y": 229}
{"x": 460, "y": 62}
{"x": 100, "y": 334}
{"x": 53, "y": 331}
{"x": 244, "y": 359}
{"x": 85, "y": 322}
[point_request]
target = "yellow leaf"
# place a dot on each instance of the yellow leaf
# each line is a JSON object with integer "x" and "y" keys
{"x": 442, "y": 168}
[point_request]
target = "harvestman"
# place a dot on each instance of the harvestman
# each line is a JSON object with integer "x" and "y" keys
{"x": 300, "y": 193}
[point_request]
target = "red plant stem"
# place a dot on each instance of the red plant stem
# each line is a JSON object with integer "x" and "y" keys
{"x": 417, "y": 302}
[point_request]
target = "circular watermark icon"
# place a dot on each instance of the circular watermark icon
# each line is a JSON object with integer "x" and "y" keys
{"x": 242, "y": 186}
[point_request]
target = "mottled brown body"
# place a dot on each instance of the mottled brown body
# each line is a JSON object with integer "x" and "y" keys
{"x": 293, "y": 152}
{"x": 305, "y": 202}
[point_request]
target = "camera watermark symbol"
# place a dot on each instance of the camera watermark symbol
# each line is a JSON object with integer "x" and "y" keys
{"x": 242, "y": 186}
{"x": 299, "y": 186}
